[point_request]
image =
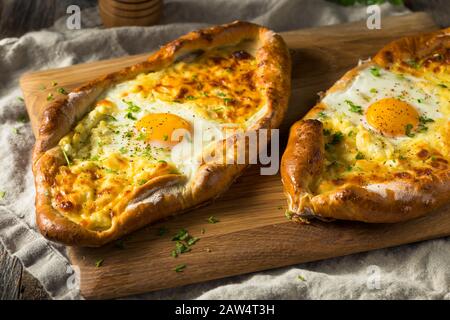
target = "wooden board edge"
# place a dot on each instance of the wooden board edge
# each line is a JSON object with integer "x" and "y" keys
{"x": 318, "y": 235}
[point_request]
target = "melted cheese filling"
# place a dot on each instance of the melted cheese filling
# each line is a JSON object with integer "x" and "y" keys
{"x": 120, "y": 145}
{"x": 359, "y": 152}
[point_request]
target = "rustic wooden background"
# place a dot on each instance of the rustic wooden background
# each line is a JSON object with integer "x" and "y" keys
{"x": 20, "y": 16}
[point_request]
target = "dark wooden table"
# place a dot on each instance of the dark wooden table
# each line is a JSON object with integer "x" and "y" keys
{"x": 20, "y": 16}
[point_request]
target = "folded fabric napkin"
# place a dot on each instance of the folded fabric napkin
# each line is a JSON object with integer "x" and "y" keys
{"x": 412, "y": 271}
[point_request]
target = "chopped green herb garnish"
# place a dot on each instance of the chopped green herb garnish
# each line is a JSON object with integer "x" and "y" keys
{"x": 359, "y": 156}
{"x": 420, "y": 100}
{"x": 353, "y": 107}
{"x": 375, "y": 72}
{"x": 42, "y": 87}
{"x": 180, "y": 268}
{"x": 141, "y": 136}
{"x": 183, "y": 242}
{"x": 123, "y": 150}
{"x": 23, "y": 119}
{"x": 109, "y": 170}
{"x": 192, "y": 241}
{"x": 424, "y": 119}
{"x": 221, "y": 94}
{"x": 62, "y": 91}
{"x": 49, "y": 97}
{"x": 66, "y": 157}
{"x": 442, "y": 85}
{"x": 2, "y": 194}
{"x": 95, "y": 158}
{"x": 99, "y": 263}
{"x": 180, "y": 247}
{"x": 351, "y": 133}
{"x": 336, "y": 137}
{"x": 130, "y": 116}
{"x": 131, "y": 106}
{"x": 54, "y": 83}
{"x": 110, "y": 118}
{"x": 422, "y": 128}
{"x": 288, "y": 214}
{"x": 20, "y": 99}
{"x": 227, "y": 100}
{"x": 408, "y": 129}
{"x": 213, "y": 219}
{"x": 181, "y": 235}
{"x": 142, "y": 182}
{"x": 165, "y": 137}
{"x": 413, "y": 64}
{"x": 16, "y": 130}
{"x": 322, "y": 115}
{"x": 190, "y": 98}
{"x": 373, "y": 90}
{"x": 299, "y": 277}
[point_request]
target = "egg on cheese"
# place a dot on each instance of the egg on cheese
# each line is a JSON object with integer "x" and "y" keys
{"x": 145, "y": 127}
{"x": 382, "y": 125}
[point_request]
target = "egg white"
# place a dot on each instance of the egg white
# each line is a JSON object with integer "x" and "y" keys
{"x": 367, "y": 88}
{"x": 121, "y": 136}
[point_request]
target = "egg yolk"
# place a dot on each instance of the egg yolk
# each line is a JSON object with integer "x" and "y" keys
{"x": 163, "y": 129}
{"x": 392, "y": 117}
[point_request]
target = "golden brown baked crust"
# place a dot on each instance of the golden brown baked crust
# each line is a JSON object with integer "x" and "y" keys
{"x": 406, "y": 196}
{"x": 168, "y": 194}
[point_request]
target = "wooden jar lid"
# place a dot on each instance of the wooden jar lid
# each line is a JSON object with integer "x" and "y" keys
{"x": 142, "y": 5}
{"x": 116, "y": 13}
{"x": 134, "y": 1}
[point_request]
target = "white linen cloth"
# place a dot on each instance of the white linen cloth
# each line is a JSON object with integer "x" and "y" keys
{"x": 411, "y": 271}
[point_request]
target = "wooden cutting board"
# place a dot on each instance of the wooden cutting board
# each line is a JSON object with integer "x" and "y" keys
{"x": 253, "y": 233}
